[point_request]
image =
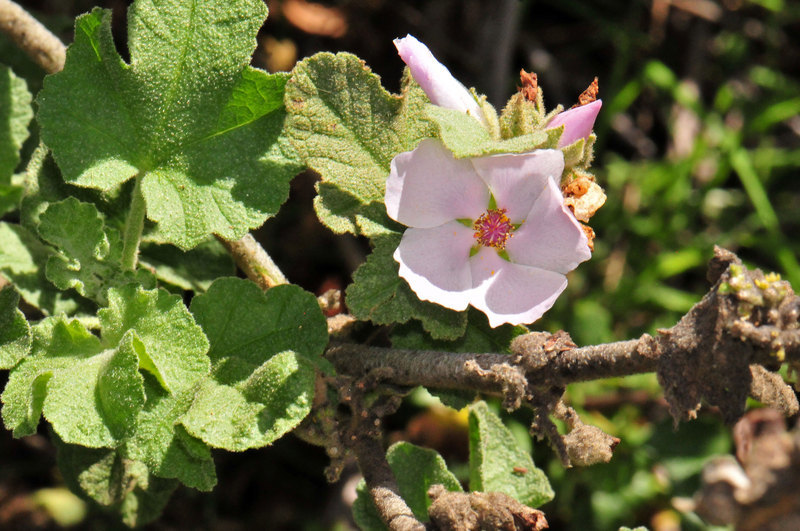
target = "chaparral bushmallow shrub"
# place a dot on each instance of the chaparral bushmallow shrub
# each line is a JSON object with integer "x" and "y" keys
{"x": 141, "y": 194}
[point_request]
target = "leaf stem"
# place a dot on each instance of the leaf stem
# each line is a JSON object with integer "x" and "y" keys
{"x": 32, "y": 37}
{"x": 254, "y": 261}
{"x": 134, "y": 225}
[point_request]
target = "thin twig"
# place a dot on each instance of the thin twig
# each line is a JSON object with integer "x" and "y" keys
{"x": 254, "y": 261}
{"x": 44, "y": 48}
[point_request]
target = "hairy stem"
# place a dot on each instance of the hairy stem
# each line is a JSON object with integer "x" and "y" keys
{"x": 134, "y": 225}
{"x": 254, "y": 261}
{"x": 44, "y": 48}
{"x": 450, "y": 370}
{"x": 382, "y": 485}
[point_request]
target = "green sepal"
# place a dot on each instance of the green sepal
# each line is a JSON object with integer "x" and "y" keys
{"x": 520, "y": 117}
{"x": 465, "y": 137}
{"x": 496, "y": 462}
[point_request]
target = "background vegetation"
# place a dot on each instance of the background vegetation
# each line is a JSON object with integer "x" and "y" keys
{"x": 698, "y": 145}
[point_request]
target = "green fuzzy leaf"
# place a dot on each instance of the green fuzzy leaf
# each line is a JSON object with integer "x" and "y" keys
{"x": 95, "y": 400}
{"x": 45, "y": 185}
{"x": 262, "y": 350}
{"x": 348, "y": 128}
{"x": 493, "y": 457}
{"x": 115, "y": 483}
{"x": 466, "y": 137}
{"x": 256, "y": 412}
{"x": 416, "y": 470}
{"x": 379, "y": 294}
{"x": 90, "y": 395}
{"x": 164, "y": 446}
{"x": 190, "y": 270}
{"x": 22, "y": 261}
{"x": 89, "y": 253}
{"x": 10, "y": 197}
{"x": 15, "y": 332}
{"x": 188, "y": 116}
{"x": 15, "y": 115}
{"x": 169, "y": 343}
{"x": 246, "y": 326}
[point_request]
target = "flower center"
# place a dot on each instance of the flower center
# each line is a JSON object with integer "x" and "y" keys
{"x": 493, "y": 228}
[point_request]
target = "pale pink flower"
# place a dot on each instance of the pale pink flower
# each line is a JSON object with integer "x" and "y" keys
{"x": 435, "y": 79}
{"x": 578, "y": 122}
{"x": 491, "y": 232}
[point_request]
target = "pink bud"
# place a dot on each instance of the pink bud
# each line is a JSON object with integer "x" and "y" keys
{"x": 578, "y": 122}
{"x": 435, "y": 79}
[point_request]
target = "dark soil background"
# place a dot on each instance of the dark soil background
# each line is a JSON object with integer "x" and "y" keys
{"x": 685, "y": 83}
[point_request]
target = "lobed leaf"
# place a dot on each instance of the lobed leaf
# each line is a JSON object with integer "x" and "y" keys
{"x": 114, "y": 482}
{"x": 263, "y": 347}
{"x": 58, "y": 345}
{"x": 22, "y": 261}
{"x": 188, "y": 116}
{"x": 15, "y": 332}
{"x": 89, "y": 253}
{"x": 162, "y": 444}
{"x": 256, "y": 412}
{"x": 498, "y": 464}
{"x": 169, "y": 343}
{"x": 95, "y": 399}
{"x": 348, "y": 128}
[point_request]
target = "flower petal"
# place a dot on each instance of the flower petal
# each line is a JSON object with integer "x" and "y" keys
{"x": 428, "y": 187}
{"x": 516, "y": 180}
{"x": 551, "y": 238}
{"x": 435, "y": 79}
{"x": 512, "y": 293}
{"x": 578, "y": 122}
{"x": 435, "y": 263}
